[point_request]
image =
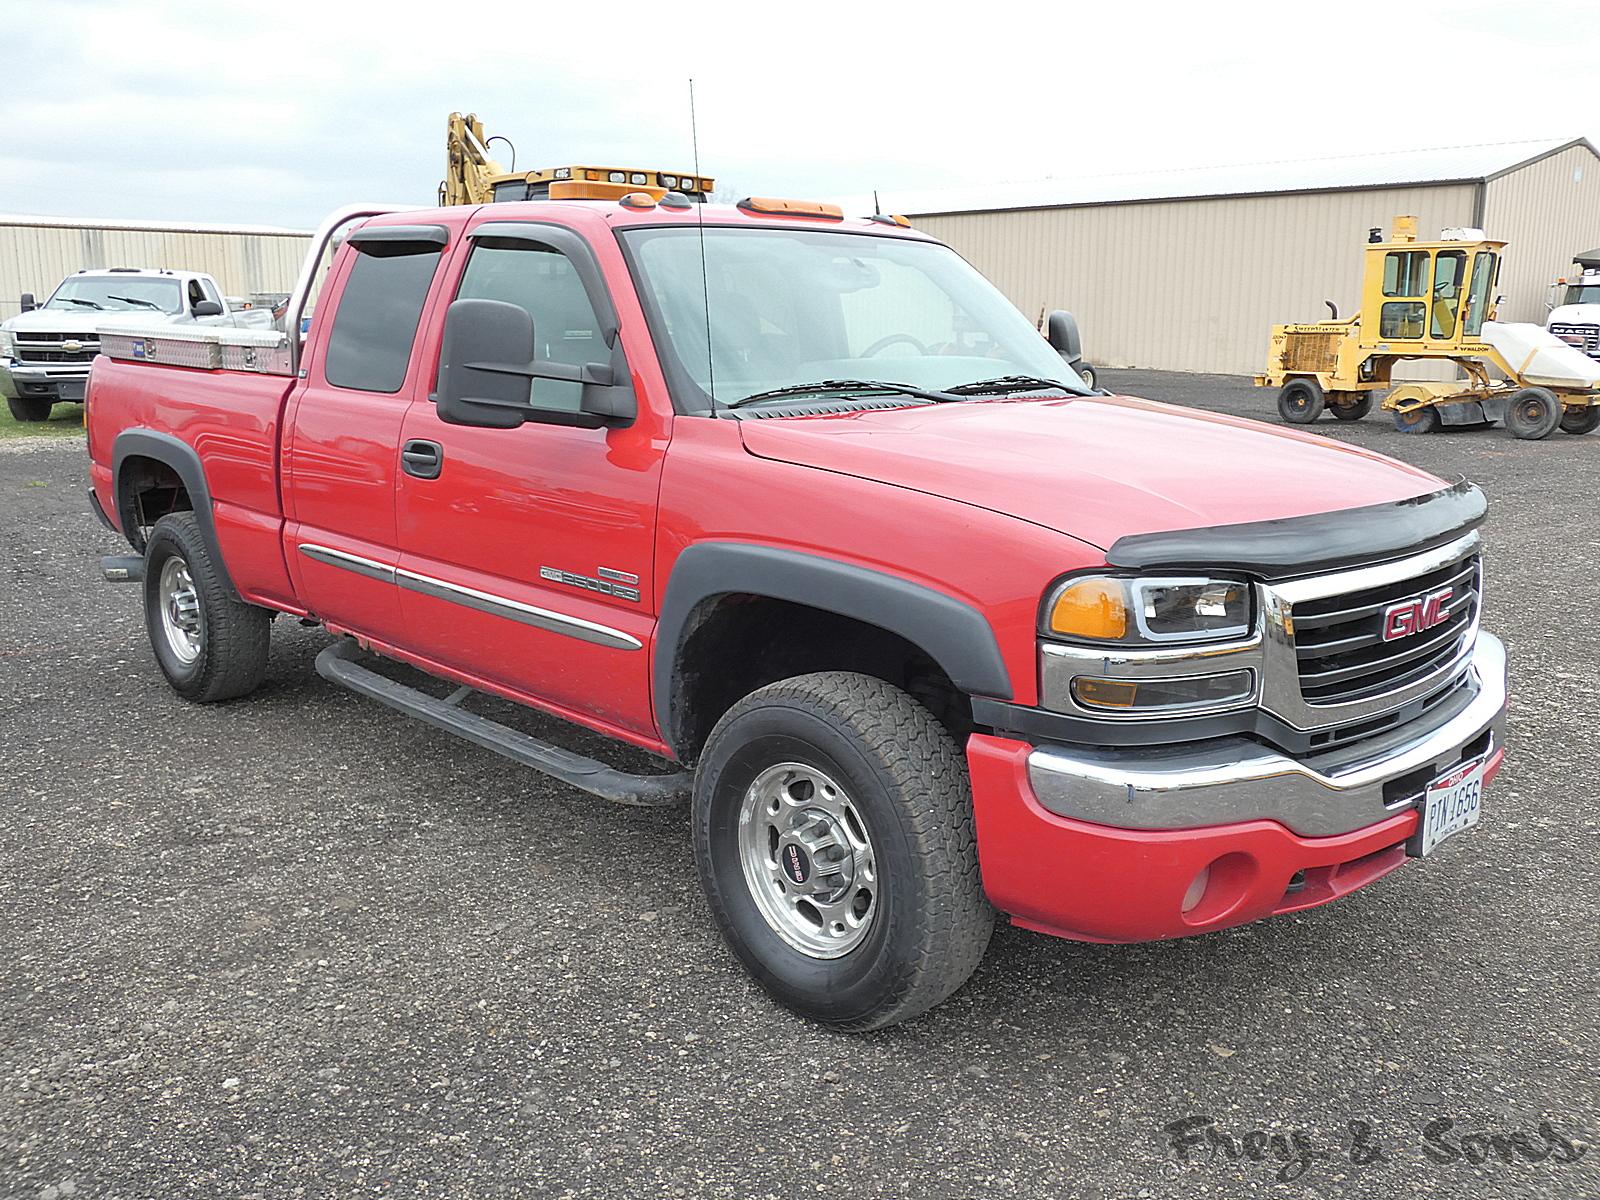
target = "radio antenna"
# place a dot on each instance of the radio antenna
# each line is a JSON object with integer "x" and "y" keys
{"x": 705, "y": 280}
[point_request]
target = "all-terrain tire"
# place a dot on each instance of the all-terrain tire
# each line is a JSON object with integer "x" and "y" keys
{"x": 219, "y": 651}
{"x": 29, "y": 408}
{"x": 907, "y": 781}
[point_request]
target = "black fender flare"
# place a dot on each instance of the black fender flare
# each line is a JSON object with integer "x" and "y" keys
{"x": 181, "y": 457}
{"x": 951, "y": 632}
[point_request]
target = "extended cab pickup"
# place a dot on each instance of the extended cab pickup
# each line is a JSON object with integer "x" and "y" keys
{"x": 922, "y": 627}
{"x": 46, "y": 350}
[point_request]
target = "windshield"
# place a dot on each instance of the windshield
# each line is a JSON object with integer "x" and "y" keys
{"x": 1583, "y": 293}
{"x": 132, "y": 293}
{"x": 794, "y": 307}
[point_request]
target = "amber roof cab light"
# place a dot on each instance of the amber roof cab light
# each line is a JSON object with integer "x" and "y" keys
{"x": 791, "y": 208}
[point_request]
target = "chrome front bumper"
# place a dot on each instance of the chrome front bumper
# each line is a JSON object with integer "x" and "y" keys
{"x": 1227, "y": 780}
{"x": 22, "y": 379}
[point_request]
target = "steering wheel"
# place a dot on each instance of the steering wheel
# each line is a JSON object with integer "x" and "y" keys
{"x": 892, "y": 339}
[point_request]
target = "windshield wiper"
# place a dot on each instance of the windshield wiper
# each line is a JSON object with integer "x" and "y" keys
{"x": 1001, "y": 384}
{"x": 840, "y": 385}
{"x": 85, "y": 303}
{"x": 135, "y": 300}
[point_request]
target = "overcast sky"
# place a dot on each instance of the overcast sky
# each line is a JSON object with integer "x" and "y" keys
{"x": 277, "y": 112}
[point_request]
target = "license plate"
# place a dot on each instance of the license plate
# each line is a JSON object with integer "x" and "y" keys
{"x": 70, "y": 389}
{"x": 1452, "y": 803}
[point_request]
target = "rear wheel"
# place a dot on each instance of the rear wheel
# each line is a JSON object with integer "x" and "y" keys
{"x": 1424, "y": 419}
{"x": 29, "y": 408}
{"x": 1359, "y": 405}
{"x": 209, "y": 644}
{"x": 1300, "y": 401}
{"x": 1533, "y": 413}
{"x": 833, "y": 831}
{"x": 1086, "y": 373}
{"x": 1581, "y": 420}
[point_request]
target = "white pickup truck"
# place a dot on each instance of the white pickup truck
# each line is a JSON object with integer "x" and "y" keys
{"x": 45, "y": 351}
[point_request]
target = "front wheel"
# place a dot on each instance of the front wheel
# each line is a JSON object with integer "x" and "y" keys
{"x": 209, "y": 644}
{"x": 1533, "y": 413}
{"x": 833, "y": 831}
{"x": 1300, "y": 401}
{"x": 1086, "y": 373}
{"x": 29, "y": 408}
{"x": 1581, "y": 420}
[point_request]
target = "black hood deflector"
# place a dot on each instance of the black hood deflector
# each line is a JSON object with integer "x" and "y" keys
{"x": 1310, "y": 544}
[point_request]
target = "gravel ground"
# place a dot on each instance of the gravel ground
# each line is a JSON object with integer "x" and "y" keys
{"x": 296, "y": 946}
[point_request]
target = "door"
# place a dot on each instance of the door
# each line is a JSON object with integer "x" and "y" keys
{"x": 525, "y": 553}
{"x": 342, "y": 434}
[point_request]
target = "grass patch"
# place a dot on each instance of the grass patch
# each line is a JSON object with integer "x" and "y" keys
{"x": 65, "y": 420}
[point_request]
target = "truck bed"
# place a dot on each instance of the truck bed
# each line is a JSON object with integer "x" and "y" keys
{"x": 231, "y": 419}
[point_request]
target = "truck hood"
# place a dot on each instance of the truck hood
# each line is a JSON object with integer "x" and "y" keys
{"x": 1575, "y": 314}
{"x": 57, "y": 320}
{"x": 1094, "y": 468}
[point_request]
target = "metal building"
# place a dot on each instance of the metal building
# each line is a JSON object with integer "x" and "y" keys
{"x": 1188, "y": 270}
{"x": 36, "y": 253}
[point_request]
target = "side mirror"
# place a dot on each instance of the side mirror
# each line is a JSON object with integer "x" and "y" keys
{"x": 28, "y": 302}
{"x": 486, "y": 368}
{"x": 1064, "y": 336}
{"x": 488, "y": 344}
{"x": 207, "y": 308}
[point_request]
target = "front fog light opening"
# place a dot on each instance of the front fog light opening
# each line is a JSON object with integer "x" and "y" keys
{"x": 1167, "y": 694}
{"x": 1197, "y": 890}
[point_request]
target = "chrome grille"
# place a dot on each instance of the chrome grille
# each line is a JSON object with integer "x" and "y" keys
{"x": 1339, "y": 645}
{"x": 1580, "y": 337}
{"x": 34, "y": 347}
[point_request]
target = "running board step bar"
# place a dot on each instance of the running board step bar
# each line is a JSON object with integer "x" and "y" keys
{"x": 336, "y": 664}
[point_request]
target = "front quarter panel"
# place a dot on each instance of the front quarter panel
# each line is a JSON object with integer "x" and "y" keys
{"x": 997, "y": 565}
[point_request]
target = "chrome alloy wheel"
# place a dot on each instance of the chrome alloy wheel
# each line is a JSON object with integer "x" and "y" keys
{"x": 807, "y": 860}
{"x": 181, "y": 622}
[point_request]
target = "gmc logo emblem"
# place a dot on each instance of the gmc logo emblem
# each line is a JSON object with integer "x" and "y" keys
{"x": 1416, "y": 614}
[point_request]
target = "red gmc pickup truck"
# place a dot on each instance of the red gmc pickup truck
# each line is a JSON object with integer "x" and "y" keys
{"x": 922, "y": 627}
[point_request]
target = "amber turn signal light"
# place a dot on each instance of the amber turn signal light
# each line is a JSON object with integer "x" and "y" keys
{"x": 1091, "y": 608}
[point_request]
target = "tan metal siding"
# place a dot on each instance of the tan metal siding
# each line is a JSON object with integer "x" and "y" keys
{"x": 1548, "y": 211}
{"x": 34, "y": 258}
{"x": 1191, "y": 285}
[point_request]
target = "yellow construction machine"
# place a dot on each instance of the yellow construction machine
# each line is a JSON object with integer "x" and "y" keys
{"x": 1433, "y": 300}
{"x": 473, "y": 177}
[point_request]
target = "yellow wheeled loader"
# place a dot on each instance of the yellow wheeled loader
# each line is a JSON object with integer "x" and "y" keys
{"x": 1433, "y": 300}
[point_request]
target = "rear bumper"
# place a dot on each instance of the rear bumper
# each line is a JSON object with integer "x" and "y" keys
{"x": 1104, "y": 845}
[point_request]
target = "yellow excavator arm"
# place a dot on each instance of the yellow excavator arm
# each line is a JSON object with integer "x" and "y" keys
{"x": 469, "y": 173}
{"x": 472, "y": 177}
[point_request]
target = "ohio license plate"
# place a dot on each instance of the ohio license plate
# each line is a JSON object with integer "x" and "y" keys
{"x": 1452, "y": 803}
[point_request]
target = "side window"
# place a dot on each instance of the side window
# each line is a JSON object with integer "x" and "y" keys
{"x": 1405, "y": 273}
{"x": 1449, "y": 273}
{"x": 1478, "y": 298}
{"x": 545, "y": 283}
{"x": 375, "y": 321}
{"x": 209, "y": 291}
{"x": 1402, "y": 319}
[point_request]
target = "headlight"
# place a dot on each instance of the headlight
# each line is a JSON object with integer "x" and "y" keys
{"x": 8, "y": 344}
{"x": 1108, "y": 608}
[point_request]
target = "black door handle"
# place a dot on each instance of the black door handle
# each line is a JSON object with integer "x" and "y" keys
{"x": 423, "y": 459}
